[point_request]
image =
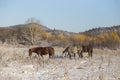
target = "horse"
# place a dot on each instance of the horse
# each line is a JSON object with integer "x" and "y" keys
{"x": 86, "y": 48}
{"x": 40, "y": 51}
{"x": 71, "y": 50}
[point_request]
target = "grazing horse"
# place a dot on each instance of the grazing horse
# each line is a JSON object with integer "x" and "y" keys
{"x": 42, "y": 51}
{"x": 87, "y": 48}
{"x": 70, "y": 50}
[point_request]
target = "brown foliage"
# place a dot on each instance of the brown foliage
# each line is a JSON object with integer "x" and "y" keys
{"x": 34, "y": 34}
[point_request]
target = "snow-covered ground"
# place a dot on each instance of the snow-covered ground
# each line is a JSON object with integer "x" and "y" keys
{"x": 15, "y": 64}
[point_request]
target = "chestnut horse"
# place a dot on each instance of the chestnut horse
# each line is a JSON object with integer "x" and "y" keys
{"x": 42, "y": 51}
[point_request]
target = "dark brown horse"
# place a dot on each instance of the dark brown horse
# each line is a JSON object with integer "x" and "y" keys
{"x": 86, "y": 48}
{"x": 42, "y": 51}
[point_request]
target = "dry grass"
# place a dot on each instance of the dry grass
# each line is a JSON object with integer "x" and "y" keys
{"x": 16, "y": 65}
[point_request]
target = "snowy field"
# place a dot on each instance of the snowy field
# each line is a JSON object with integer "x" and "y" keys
{"x": 15, "y": 64}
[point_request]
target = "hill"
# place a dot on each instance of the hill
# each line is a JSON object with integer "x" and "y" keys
{"x": 37, "y": 34}
{"x": 97, "y": 31}
{"x": 52, "y": 31}
{"x": 92, "y": 32}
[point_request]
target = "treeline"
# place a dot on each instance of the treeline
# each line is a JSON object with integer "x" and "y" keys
{"x": 34, "y": 34}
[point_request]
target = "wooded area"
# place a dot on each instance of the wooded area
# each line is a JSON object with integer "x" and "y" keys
{"x": 34, "y": 34}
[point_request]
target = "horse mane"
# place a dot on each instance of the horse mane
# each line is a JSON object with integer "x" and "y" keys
{"x": 66, "y": 49}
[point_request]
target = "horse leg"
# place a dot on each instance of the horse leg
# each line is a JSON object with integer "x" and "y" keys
{"x": 63, "y": 55}
{"x": 89, "y": 54}
{"x": 81, "y": 54}
{"x": 50, "y": 56}
{"x": 30, "y": 57}
{"x": 78, "y": 54}
{"x": 69, "y": 55}
{"x": 39, "y": 59}
{"x": 74, "y": 55}
{"x": 42, "y": 59}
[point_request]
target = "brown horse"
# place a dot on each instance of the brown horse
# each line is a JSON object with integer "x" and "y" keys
{"x": 86, "y": 48}
{"x": 42, "y": 51}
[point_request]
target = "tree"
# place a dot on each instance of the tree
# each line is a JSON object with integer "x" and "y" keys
{"x": 8, "y": 35}
{"x": 32, "y": 20}
{"x": 32, "y": 32}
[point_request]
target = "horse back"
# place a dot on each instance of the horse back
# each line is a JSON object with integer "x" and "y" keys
{"x": 87, "y": 48}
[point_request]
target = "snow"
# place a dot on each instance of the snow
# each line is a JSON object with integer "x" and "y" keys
{"x": 16, "y": 65}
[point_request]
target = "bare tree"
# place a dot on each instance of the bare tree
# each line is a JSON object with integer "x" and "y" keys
{"x": 8, "y": 35}
{"x": 32, "y": 20}
{"x": 32, "y": 32}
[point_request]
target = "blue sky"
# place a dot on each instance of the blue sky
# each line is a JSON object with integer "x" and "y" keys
{"x": 70, "y": 15}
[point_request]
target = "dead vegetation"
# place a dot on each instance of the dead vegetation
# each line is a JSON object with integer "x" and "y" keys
{"x": 34, "y": 33}
{"x": 15, "y": 64}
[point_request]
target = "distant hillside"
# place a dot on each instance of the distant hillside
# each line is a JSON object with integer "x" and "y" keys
{"x": 101, "y": 30}
{"x": 52, "y": 31}
{"x": 37, "y": 34}
{"x": 32, "y": 33}
{"x": 25, "y": 25}
{"x": 92, "y": 32}
{"x": 56, "y": 32}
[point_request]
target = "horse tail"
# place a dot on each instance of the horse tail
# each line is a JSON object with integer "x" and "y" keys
{"x": 53, "y": 52}
{"x": 30, "y": 52}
